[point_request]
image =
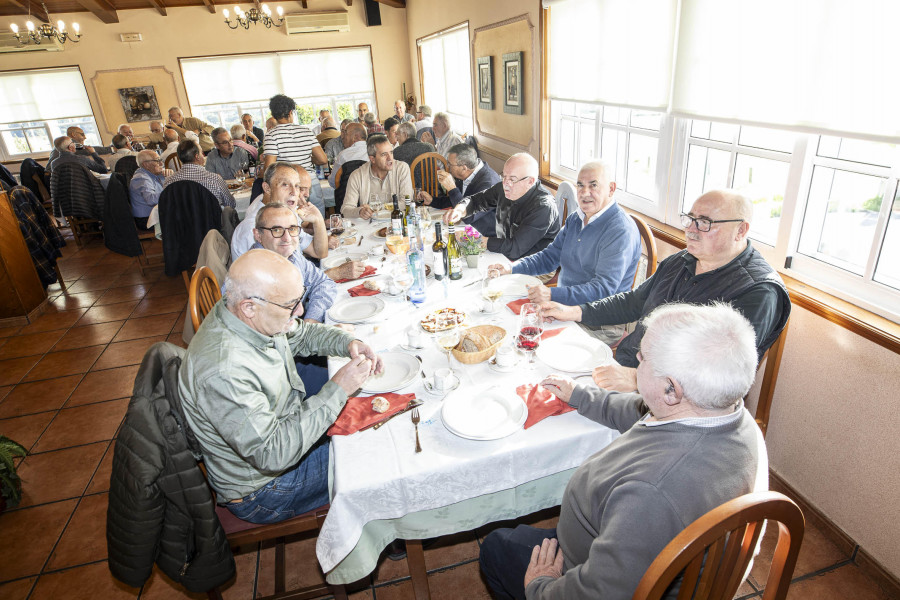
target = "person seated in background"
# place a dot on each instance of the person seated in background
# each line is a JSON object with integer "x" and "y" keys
{"x": 526, "y": 220}
{"x": 409, "y": 147}
{"x": 239, "y": 139}
{"x": 391, "y": 124}
{"x": 323, "y": 114}
{"x": 443, "y": 133}
{"x": 361, "y": 109}
{"x": 77, "y": 136}
{"x": 65, "y": 149}
{"x": 466, "y": 175}
{"x": 718, "y": 265}
{"x": 354, "y": 140}
{"x": 121, "y": 148}
{"x": 335, "y": 146}
{"x": 146, "y": 185}
{"x": 271, "y": 123}
{"x": 400, "y": 113}
{"x": 371, "y": 124}
{"x": 184, "y": 125}
{"x": 225, "y": 159}
{"x": 261, "y": 435}
{"x": 423, "y": 118}
{"x": 126, "y": 130}
{"x": 156, "y": 141}
{"x": 597, "y": 250}
{"x": 381, "y": 175}
{"x": 192, "y": 169}
{"x": 171, "y": 138}
{"x": 328, "y": 132}
{"x": 688, "y": 445}
{"x": 255, "y": 135}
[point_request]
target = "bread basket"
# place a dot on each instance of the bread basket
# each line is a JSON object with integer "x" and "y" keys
{"x": 473, "y": 358}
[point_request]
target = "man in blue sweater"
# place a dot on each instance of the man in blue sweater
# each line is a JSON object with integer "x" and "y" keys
{"x": 597, "y": 250}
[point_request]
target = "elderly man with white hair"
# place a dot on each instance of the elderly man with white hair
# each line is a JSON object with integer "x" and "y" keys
{"x": 526, "y": 218}
{"x": 443, "y": 138}
{"x": 687, "y": 446}
{"x": 718, "y": 265}
{"x": 126, "y": 130}
{"x": 146, "y": 185}
{"x": 239, "y": 139}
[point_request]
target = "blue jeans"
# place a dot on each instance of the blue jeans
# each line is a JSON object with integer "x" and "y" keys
{"x": 316, "y": 198}
{"x": 314, "y": 376}
{"x": 292, "y": 493}
{"x": 504, "y": 558}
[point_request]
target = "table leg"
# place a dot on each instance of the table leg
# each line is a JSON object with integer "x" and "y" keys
{"x": 415, "y": 560}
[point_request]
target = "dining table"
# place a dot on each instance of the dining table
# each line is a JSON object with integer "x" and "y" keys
{"x": 381, "y": 488}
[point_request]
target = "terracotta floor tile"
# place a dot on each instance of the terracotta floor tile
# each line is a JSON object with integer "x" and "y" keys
{"x": 88, "y": 335}
{"x": 123, "y": 294}
{"x": 90, "y": 582}
{"x": 8, "y": 331}
{"x": 121, "y": 354}
{"x": 176, "y": 339}
{"x": 462, "y": 582}
{"x": 107, "y": 313}
{"x": 12, "y": 371}
{"x": 33, "y": 533}
{"x": 100, "y": 480}
{"x": 817, "y": 552}
{"x": 51, "y": 321}
{"x": 29, "y": 345}
{"x": 157, "y": 306}
{"x": 40, "y": 396}
{"x": 107, "y": 270}
{"x": 136, "y": 328}
{"x": 135, "y": 278}
{"x": 110, "y": 384}
{"x": 17, "y": 590}
{"x": 67, "y": 362}
{"x": 445, "y": 551}
{"x": 42, "y": 479}
{"x": 242, "y": 586}
{"x": 90, "y": 285}
{"x": 4, "y": 390}
{"x": 160, "y": 587}
{"x": 26, "y": 430}
{"x": 167, "y": 286}
{"x": 841, "y": 584}
{"x": 84, "y": 539}
{"x": 304, "y": 571}
{"x": 73, "y": 301}
{"x": 83, "y": 425}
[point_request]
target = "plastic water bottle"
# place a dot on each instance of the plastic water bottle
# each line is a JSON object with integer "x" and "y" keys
{"x": 416, "y": 260}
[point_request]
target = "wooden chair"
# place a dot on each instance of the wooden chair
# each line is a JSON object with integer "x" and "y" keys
{"x": 203, "y": 293}
{"x": 172, "y": 162}
{"x": 772, "y": 358}
{"x": 649, "y": 243}
{"x": 83, "y": 227}
{"x": 566, "y": 200}
{"x": 424, "y": 171}
{"x": 147, "y": 260}
{"x": 714, "y": 551}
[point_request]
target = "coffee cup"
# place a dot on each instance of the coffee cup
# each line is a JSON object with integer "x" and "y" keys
{"x": 505, "y": 356}
{"x": 377, "y": 250}
{"x": 414, "y": 337}
{"x": 443, "y": 379}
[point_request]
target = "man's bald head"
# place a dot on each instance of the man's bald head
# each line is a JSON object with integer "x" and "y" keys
{"x": 356, "y": 132}
{"x": 736, "y": 204}
{"x": 170, "y": 135}
{"x": 145, "y": 155}
{"x": 328, "y": 122}
{"x": 526, "y": 162}
{"x": 258, "y": 286}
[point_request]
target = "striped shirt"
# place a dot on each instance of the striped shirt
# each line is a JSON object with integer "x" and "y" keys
{"x": 211, "y": 181}
{"x": 291, "y": 143}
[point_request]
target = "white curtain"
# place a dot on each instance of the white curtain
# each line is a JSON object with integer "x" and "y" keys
{"x": 447, "y": 75}
{"x": 327, "y": 72}
{"x": 42, "y": 94}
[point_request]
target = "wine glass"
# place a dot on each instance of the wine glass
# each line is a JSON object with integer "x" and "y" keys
{"x": 448, "y": 338}
{"x": 336, "y": 224}
{"x": 404, "y": 278}
{"x": 531, "y": 326}
{"x": 490, "y": 288}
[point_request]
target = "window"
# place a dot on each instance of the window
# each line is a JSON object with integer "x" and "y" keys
{"x": 336, "y": 80}
{"x": 38, "y": 106}
{"x": 446, "y": 75}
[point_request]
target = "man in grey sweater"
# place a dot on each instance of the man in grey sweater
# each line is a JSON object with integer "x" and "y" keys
{"x": 694, "y": 450}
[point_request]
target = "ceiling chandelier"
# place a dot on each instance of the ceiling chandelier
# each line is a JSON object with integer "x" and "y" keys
{"x": 36, "y": 35}
{"x": 254, "y": 16}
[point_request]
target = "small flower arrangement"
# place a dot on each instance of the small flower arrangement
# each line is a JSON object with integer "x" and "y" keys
{"x": 469, "y": 241}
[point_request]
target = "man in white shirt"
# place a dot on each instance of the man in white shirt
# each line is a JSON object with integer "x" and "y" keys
{"x": 381, "y": 175}
{"x": 423, "y": 117}
{"x": 171, "y": 138}
{"x": 122, "y": 148}
{"x": 354, "y": 138}
{"x": 443, "y": 138}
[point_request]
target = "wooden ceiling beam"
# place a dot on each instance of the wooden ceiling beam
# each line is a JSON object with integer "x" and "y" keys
{"x": 102, "y": 9}
{"x": 210, "y": 6}
{"x": 159, "y": 6}
{"x": 304, "y": 4}
{"x": 36, "y": 11}
{"x": 393, "y": 3}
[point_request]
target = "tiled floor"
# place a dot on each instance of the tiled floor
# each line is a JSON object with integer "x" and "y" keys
{"x": 64, "y": 386}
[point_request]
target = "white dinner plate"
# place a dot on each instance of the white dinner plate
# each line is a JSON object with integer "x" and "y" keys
{"x": 492, "y": 415}
{"x": 356, "y": 310}
{"x": 574, "y": 353}
{"x": 339, "y": 259}
{"x": 400, "y": 369}
{"x": 514, "y": 284}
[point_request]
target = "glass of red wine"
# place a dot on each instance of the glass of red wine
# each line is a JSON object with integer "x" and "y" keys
{"x": 531, "y": 326}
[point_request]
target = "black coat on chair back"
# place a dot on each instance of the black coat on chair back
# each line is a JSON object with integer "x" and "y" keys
{"x": 127, "y": 166}
{"x": 76, "y": 192}
{"x": 187, "y": 211}
{"x": 119, "y": 232}
{"x": 29, "y": 168}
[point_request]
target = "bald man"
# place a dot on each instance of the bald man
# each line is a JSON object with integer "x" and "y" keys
{"x": 354, "y": 140}
{"x": 261, "y": 436}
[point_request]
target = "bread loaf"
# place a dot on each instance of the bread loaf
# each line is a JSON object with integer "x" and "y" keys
{"x": 473, "y": 342}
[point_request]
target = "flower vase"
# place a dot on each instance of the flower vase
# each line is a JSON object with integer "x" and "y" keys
{"x": 472, "y": 261}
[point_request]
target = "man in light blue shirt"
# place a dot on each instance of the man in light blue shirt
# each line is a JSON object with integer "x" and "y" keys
{"x": 146, "y": 186}
{"x": 225, "y": 159}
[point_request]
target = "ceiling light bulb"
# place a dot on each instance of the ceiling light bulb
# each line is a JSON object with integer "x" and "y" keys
{"x": 75, "y": 27}
{"x": 280, "y": 11}
{"x": 265, "y": 9}
{"x": 225, "y": 12}
{"x": 237, "y": 9}
{"x": 60, "y": 26}
{"x": 14, "y": 27}
{"x": 30, "y": 26}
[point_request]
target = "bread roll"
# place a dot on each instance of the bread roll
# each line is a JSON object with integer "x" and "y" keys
{"x": 371, "y": 284}
{"x": 380, "y": 404}
{"x": 473, "y": 342}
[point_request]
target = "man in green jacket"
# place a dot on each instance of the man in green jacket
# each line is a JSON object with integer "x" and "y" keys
{"x": 244, "y": 401}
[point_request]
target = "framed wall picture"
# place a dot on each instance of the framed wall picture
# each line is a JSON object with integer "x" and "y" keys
{"x": 513, "y": 102}
{"x": 139, "y": 104}
{"x": 485, "y": 83}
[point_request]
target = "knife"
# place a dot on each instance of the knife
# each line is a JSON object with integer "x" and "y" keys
{"x": 412, "y": 404}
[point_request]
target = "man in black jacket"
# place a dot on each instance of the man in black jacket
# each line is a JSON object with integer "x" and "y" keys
{"x": 410, "y": 148}
{"x": 526, "y": 220}
{"x": 466, "y": 175}
{"x": 67, "y": 153}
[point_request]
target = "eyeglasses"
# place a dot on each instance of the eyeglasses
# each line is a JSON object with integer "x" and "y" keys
{"x": 703, "y": 224}
{"x": 154, "y": 160}
{"x": 512, "y": 180}
{"x": 278, "y": 232}
{"x": 290, "y": 307}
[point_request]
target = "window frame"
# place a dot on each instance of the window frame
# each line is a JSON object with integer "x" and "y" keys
{"x": 470, "y": 120}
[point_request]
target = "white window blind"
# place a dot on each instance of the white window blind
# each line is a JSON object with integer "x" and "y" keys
{"x": 612, "y": 51}
{"x": 327, "y": 72}
{"x": 447, "y": 76}
{"x": 42, "y": 94}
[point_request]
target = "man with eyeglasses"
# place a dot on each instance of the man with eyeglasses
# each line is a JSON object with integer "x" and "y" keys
{"x": 526, "y": 220}
{"x": 718, "y": 265}
{"x": 260, "y": 433}
{"x": 225, "y": 159}
{"x": 146, "y": 186}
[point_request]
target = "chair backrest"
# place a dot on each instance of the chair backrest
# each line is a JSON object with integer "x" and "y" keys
{"x": 646, "y": 266}
{"x": 566, "y": 200}
{"x": 424, "y": 171}
{"x": 202, "y": 295}
{"x": 340, "y": 179}
{"x": 471, "y": 141}
{"x": 39, "y": 182}
{"x": 187, "y": 211}
{"x": 173, "y": 162}
{"x": 714, "y": 552}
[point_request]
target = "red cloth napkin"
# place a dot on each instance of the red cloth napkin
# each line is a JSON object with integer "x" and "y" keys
{"x": 358, "y": 412}
{"x": 370, "y": 270}
{"x": 362, "y": 290}
{"x": 541, "y": 403}
{"x": 516, "y": 305}
{"x": 549, "y": 333}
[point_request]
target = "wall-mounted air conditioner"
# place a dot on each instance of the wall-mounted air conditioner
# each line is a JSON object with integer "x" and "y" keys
{"x": 317, "y": 22}
{"x": 9, "y": 43}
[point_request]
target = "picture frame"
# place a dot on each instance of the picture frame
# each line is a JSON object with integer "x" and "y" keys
{"x": 139, "y": 104}
{"x": 513, "y": 101}
{"x": 485, "y": 73}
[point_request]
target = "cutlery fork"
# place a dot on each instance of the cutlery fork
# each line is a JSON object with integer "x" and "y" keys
{"x": 415, "y": 420}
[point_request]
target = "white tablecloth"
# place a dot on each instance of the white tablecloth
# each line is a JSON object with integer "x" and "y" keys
{"x": 376, "y": 473}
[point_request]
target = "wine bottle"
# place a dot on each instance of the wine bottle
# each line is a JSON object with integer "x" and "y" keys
{"x": 397, "y": 220}
{"x": 440, "y": 254}
{"x": 454, "y": 256}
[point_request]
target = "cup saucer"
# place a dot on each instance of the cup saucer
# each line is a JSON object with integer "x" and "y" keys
{"x": 492, "y": 363}
{"x": 429, "y": 385}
